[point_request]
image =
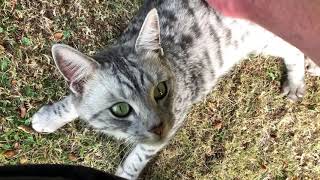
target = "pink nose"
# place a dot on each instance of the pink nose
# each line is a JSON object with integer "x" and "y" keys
{"x": 158, "y": 130}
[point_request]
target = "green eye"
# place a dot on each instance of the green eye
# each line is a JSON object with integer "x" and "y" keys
{"x": 121, "y": 109}
{"x": 160, "y": 91}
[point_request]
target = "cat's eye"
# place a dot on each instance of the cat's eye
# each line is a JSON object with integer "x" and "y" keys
{"x": 121, "y": 109}
{"x": 160, "y": 91}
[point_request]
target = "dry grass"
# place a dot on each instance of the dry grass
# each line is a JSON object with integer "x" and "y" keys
{"x": 243, "y": 130}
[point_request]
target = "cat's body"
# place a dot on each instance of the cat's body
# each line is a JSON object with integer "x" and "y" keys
{"x": 185, "y": 47}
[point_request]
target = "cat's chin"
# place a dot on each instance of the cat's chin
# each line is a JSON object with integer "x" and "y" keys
{"x": 155, "y": 140}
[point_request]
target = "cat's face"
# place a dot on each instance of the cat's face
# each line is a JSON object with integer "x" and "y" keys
{"x": 129, "y": 94}
{"x": 130, "y": 98}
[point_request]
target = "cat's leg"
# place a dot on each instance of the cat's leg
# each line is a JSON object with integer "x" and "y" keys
{"x": 312, "y": 67}
{"x": 137, "y": 160}
{"x": 51, "y": 117}
{"x": 294, "y": 86}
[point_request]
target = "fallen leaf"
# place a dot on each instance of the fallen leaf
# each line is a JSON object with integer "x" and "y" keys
{"x": 263, "y": 166}
{"x": 9, "y": 153}
{"x": 58, "y": 36}
{"x": 23, "y": 160}
{"x": 273, "y": 135}
{"x": 72, "y": 157}
{"x": 26, "y": 129}
{"x": 285, "y": 164}
{"x": 13, "y": 5}
{"x": 14, "y": 82}
{"x": 16, "y": 145}
{"x": 217, "y": 125}
{"x": 23, "y": 111}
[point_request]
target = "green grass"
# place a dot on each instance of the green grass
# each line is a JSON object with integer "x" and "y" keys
{"x": 243, "y": 130}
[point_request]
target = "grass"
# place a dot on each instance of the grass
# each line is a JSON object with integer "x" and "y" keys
{"x": 243, "y": 130}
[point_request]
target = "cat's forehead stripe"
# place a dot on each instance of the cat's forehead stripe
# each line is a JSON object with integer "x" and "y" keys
{"x": 142, "y": 73}
{"x": 122, "y": 67}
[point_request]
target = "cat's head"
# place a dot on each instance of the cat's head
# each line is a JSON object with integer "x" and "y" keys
{"x": 126, "y": 91}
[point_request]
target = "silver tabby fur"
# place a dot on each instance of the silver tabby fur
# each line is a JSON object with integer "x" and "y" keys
{"x": 185, "y": 43}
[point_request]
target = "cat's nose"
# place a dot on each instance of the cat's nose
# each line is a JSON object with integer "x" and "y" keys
{"x": 158, "y": 130}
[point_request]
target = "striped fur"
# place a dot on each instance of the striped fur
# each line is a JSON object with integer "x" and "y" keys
{"x": 184, "y": 43}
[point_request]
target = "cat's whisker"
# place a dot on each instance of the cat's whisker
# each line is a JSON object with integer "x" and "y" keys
{"x": 128, "y": 149}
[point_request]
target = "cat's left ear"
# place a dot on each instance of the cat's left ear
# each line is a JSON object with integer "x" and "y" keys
{"x": 149, "y": 36}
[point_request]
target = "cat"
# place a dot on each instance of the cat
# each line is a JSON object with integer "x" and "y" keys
{"x": 171, "y": 56}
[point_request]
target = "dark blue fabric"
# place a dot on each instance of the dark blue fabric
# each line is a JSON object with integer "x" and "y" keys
{"x": 53, "y": 172}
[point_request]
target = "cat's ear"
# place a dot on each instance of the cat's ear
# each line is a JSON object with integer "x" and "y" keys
{"x": 149, "y": 35}
{"x": 73, "y": 65}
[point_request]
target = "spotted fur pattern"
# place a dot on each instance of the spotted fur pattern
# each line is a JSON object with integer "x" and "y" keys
{"x": 184, "y": 43}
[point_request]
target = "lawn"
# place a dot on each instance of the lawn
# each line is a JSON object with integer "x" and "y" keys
{"x": 243, "y": 130}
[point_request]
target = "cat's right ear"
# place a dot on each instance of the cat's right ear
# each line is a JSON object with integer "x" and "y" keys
{"x": 73, "y": 65}
{"x": 149, "y": 36}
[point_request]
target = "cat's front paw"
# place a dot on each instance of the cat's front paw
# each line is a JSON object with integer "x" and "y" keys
{"x": 121, "y": 173}
{"x": 293, "y": 90}
{"x": 45, "y": 120}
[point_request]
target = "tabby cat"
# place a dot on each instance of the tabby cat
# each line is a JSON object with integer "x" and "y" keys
{"x": 170, "y": 57}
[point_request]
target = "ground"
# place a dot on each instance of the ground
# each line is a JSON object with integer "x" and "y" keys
{"x": 243, "y": 130}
